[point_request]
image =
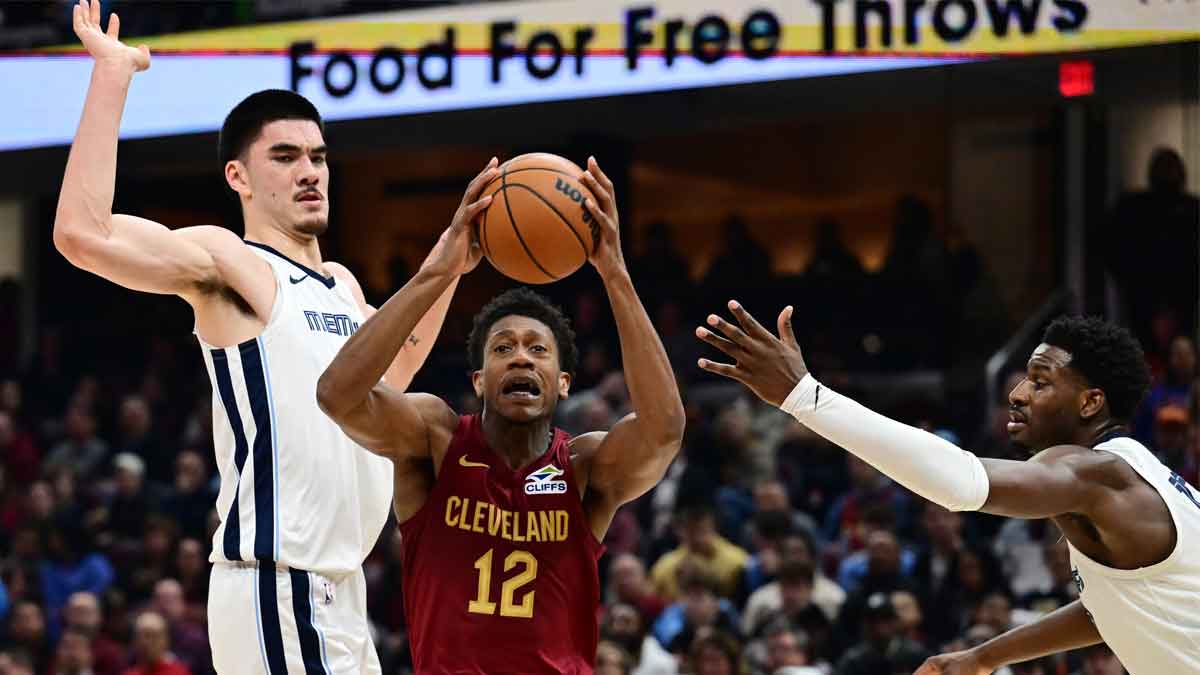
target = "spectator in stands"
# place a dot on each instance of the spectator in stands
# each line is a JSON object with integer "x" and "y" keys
{"x": 1062, "y": 590}
{"x": 152, "y": 648}
{"x": 81, "y": 451}
{"x": 951, "y": 574}
{"x": 135, "y": 424}
{"x": 797, "y": 610}
{"x": 700, "y": 545}
{"x": 715, "y": 654}
{"x": 627, "y": 583}
{"x": 1172, "y": 392}
{"x": 910, "y": 616}
{"x": 796, "y": 550}
{"x": 787, "y": 651}
{"x": 699, "y": 609}
{"x": 16, "y": 662}
{"x": 157, "y": 551}
{"x": 132, "y": 502}
{"x": 742, "y": 265}
{"x": 21, "y": 457}
{"x": 189, "y": 503}
{"x": 1159, "y": 225}
{"x": 612, "y": 660}
{"x": 883, "y": 649}
{"x": 771, "y": 497}
{"x": 73, "y": 655}
{"x": 867, "y": 486}
{"x": 659, "y": 268}
{"x": 72, "y": 565}
{"x": 188, "y": 636}
{"x": 623, "y": 625}
{"x": 884, "y": 576}
{"x": 83, "y": 616}
{"x": 27, "y": 633}
{"x": 191, "y": 568}
{"x": 876, "y": 517}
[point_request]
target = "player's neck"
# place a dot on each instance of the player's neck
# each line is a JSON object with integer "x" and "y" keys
{"x": 519, "y": 444}
{"x": 301, "y": 248}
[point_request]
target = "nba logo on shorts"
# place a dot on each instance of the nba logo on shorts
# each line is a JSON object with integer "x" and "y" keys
{"x": 541, "y": 482}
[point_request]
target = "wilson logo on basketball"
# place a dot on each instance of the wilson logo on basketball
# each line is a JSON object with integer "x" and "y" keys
{"x": 576, "y": 196}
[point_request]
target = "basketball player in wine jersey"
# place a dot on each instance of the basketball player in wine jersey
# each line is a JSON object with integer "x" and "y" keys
{"x": 301, "y": 505}
{"x": 1131, "y": 523}
{"x": 502, "y": 515}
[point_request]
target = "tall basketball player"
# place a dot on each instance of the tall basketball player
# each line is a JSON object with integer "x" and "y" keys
{"x": 301, "y": 504}
{"x": 1130, "y": 522}
{"x": 502, "y": 515}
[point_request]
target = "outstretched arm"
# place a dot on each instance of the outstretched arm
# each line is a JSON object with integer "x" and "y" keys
{"x": 1061, "y": 630}
{"x": 920, "y": 461}
{"x": 133, "y": 252}
{"x": 351, "y": 390}
{"x": 635, "y": 454}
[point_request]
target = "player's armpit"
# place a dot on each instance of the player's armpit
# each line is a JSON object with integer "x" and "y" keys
{"x": 1056, "y": 481}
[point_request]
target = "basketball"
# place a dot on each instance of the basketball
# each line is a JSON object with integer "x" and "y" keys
{"x": 536, "y": 230}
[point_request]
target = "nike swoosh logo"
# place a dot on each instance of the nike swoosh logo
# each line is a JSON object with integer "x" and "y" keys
{"x": 296, "y": 281}
{"x": 462, "y": 461}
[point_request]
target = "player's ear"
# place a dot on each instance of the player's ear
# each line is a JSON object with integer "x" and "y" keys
{"x": 564, "y": 385}
{"x": 1091, "y": 403}
{"x": 237, "y": 178}
{"x": 477, "y": 382}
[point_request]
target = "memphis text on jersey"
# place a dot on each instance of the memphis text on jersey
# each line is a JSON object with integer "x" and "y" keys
{"x": 481, "y": 517}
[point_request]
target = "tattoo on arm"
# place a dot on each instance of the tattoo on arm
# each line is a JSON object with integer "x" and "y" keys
{"x": 413, "y": 340}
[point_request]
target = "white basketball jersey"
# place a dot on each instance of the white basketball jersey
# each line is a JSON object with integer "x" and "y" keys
{"x": 1150, "y": 617}
{"x": 295, "y": 489}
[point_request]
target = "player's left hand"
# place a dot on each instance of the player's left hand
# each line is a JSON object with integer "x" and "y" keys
{"x": 608, "y": 257}
{"x": 770, "y": 366}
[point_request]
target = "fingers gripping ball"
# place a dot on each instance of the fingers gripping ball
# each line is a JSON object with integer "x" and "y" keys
{"x": 536, "y": 230}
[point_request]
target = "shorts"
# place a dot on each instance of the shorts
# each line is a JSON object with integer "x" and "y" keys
{"x": 267, "y": 619}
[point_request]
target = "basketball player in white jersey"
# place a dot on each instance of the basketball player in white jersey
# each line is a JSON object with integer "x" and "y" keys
{"x": 300, "y": 504}
{"x": 1132, "y": 524}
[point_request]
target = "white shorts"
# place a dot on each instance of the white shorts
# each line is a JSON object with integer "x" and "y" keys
{"x": 266, "y": 619}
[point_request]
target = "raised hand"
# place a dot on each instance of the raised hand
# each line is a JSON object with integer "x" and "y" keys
{"x": 106, "y": 47}
{"x": 608, "y": 257}
{"x": 955, "y": 663}
{"x": 457, "y": 250}
{"x": 771, "y": 367}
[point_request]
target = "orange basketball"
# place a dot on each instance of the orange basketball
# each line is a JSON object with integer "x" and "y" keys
{"x": 536, "y": 230}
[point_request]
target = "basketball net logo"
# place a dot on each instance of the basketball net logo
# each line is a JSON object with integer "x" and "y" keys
{"x": 541, "y": 482}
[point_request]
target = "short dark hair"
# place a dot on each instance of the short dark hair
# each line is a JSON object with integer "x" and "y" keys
{"x": 524, "y": 301}
{"x": 797, "y": 571}
{"x": 1107, "y": 356}
{"x": 244, "y": 123}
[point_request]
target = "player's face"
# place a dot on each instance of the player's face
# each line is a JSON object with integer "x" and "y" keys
{"x": 521, "y": 379}
{"x": 1044, "y": 408}
{"x": 287, "y": 177}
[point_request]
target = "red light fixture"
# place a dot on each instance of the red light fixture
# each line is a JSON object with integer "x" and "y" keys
{"x": 1076, "y": 78}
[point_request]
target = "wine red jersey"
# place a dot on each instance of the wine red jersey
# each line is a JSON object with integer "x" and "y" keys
{"x": 500, "y": 565}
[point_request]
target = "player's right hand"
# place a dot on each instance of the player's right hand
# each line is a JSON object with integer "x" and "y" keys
{"x": 457, "y": 251}
{"x": 106, "y": 47}
{"x": 955, "y": 663}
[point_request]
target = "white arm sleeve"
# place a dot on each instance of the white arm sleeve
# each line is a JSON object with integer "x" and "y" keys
{"x": 927, "y": 464}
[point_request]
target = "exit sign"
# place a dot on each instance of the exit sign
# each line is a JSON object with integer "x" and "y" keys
{"x": 1076, "y": 78}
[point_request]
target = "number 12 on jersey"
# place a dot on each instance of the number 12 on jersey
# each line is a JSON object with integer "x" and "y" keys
{"x": 482, "y": 603}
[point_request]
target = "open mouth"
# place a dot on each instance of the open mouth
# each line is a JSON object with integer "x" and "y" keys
{"x": 1017, "y": 421}
{"x": 521, "y": 387}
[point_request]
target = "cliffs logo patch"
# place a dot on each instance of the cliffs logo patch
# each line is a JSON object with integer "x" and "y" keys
{"x": 542, "y": 481}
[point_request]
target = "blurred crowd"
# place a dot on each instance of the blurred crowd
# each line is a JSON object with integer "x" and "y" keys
{"x": 764, "y": 551}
